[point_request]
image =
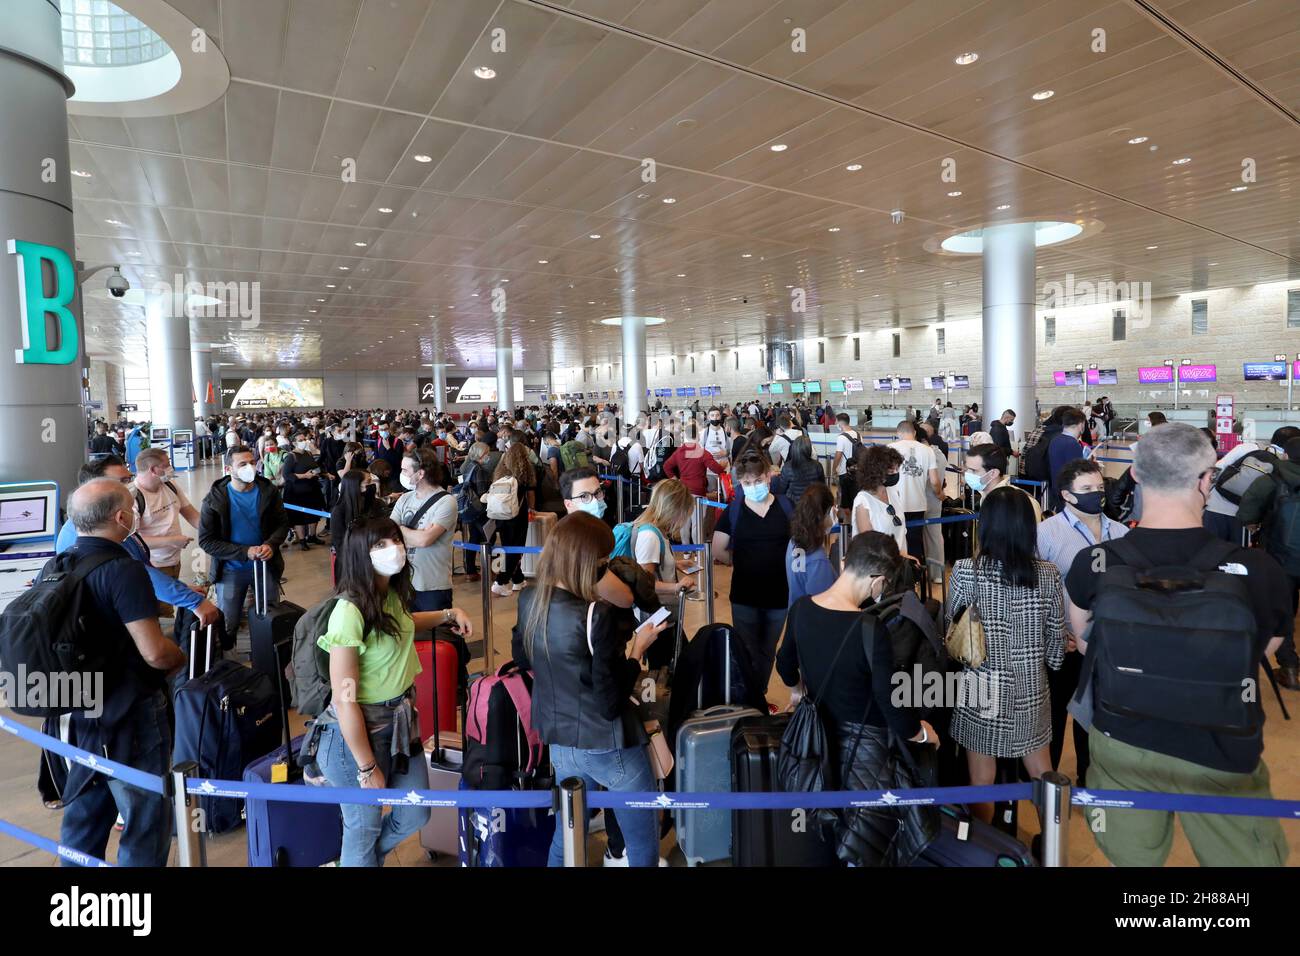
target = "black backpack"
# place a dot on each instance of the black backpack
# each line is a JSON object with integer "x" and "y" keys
{"x": 1234, "y": 480}
{"x": 139, "y": 497}
{"x": 1283, "y": 539}
{"x": 1174, "y": 643}
{"x": 44, "y": 631}
{"x": 1034, "y": 463}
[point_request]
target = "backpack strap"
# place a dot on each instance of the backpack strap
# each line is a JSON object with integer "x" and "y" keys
{"x": 523, "y": 701}
{"x": 423, "y": 510}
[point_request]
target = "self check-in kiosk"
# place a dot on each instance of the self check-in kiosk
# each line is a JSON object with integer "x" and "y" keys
{"x": 29, "y": 524}
{"x": 182, "y": 450}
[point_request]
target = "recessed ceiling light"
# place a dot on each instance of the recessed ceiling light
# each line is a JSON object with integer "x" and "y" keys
{"x": 860, "y": 270}
{"x": 1136, "y": 140}
{"x": 853, "y": 167}
{"x": 140, "y": 253}
{"x": 1044, "y": 94}
{"x": 344, "y": 268}
{"x": 746, "y": 255}
{"x": 1183, "y": 162}
{"x": 833, "y": 229}
{"x": 330, "y": 286}
{"x": 484, "y": 72}
{"x": 359, "y": 245}
{"x": 1153, "y": 247}
{"x": 82, "y": 174}
{"x": 320, "y": 300}
{"x": 1238, "y": 189}
{"x": 966, "y": 59}
{"x": 778, "y": 147}
{"x": 422, "y": 158}
{"x": 955, "y": 193}
{"x": 114, "y": 222}
{"x": 594, "y": 235}
{"x": 505, "y": 280}
{"x": 474, "y": 294}
{"x": 1005, "y": 206}
{"x": 384, "y": 209}
{"x": 311, "y": 310}
{"x": 669, "y": 200}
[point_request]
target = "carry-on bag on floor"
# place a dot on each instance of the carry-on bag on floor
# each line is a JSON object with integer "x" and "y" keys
{"x": 958, "y": 536}
{"x": 289, "y": 834}
{"x": 965, "y": 841}
{"x": 443, "y": 748}
{"x": 505, "y": 837}
{"x": 225, "y": 717}
{"x": 270, "y": 624}
{"x": 769, "y": 837}
{"x": 702, "y": 764}
{"x": 540, "y": 526}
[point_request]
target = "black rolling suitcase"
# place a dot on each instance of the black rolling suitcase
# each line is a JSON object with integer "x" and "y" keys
{"x": 958, "y": 536}
{"x": 270, "y": 629}
{"x": 769, "y": 837}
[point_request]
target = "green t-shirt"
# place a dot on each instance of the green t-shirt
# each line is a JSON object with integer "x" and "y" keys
{"x": 386, "y": 665}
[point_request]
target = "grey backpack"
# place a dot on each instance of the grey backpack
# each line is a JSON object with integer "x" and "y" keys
{"x": 311, "y": 665}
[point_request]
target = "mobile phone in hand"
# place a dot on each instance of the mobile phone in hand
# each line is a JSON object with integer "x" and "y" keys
{"x": 656, "y": 618}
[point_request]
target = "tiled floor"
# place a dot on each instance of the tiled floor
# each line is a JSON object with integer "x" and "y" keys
{"x": 307, "y": 581}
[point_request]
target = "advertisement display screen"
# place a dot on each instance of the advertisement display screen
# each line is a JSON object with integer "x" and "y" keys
{"x": 1073, "y": 377}
{"x": 1264, "y": 371}
{"x": 1103, "y": 376}
{"x": 1188, "y": 374}
{"x": 272, "y": 393}
{"x": 961, "y": 381}
{"x": 837, "y": 385}
{"x": 884, "y": 385}
{"x": 1156, "y": 375}
{"x": 904, "y": 384}
{"x": 935, "y": 383}
{"x": 812, "y": 386}
{"x": 796, "y": 388}
{"x": 855, "y": 384}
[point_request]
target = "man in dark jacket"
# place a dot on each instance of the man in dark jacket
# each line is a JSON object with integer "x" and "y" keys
{"x": 999, "y": 430}
{"x": 242, "y": 521}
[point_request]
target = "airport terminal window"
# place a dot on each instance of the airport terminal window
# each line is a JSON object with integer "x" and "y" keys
{"x": 760, "y": 358}
{"x": 1119, "y": 326}
{"x": 857, "y": 350}
{"x": 898, "y": 345}
{"x": 584, "y": 373}
{"x": 713, "y": 362}
{"x": 673, "y": 370}
{"x": 1200, "y": 316}
{"x": 940, "y": 341}
{"x": 692, "y": 363}
{"x": 1049, "y": 330}
{"x": 821, "y": 353}
{"x": 1293, "y": 309}
{"x": 737, "y": 361}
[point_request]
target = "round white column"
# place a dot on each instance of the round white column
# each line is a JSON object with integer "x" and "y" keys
{"x": 1010, "y": 295}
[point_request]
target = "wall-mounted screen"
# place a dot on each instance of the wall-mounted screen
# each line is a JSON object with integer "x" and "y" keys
{"x": 961, "y": 381}
{"x": 1156, "y": 375}
{"x": 1264, "y": 371}
{"x": 904, "y": 384}
{"x": 272, "y": 392}
{"x": 853, "y": 384}
{"x": 837, "y": 385}
{"x": 796, "y": 388}
{"x": 812, "y": 386}
{"x": 1103, "y": 376}
{"x": 884, "y": 385}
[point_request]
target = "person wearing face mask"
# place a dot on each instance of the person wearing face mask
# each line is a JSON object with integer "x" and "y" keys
{"x": 388, "y": 447}
{"x": 714, "y": 438}
{"x": 825, "y": 650}
{"x": 128, "y": 720}
{"x": 808, "y": 568}
{"x": 357, "y": 500}
{"x": 514, "y": 532}
{"x": 879, "y": 502}
{"x": 242, "y": 520}
{"x": 1065, "y": 447}
{"x": 427, "y": 514}
{"x": 370, "y": 735}
{"x": 752, "y": 536}
{"x": 986, "y": 471}
{"x": 161, "y": 505}
{"x": 1080, "y": 525}
{"x": 1163, "y": 747}
{"x": 301, "y": 471}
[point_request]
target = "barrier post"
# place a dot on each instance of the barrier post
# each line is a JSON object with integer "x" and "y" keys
{"x": 1052, "y": 795}
{"x": 191, "y": 848}
{"x": 618, "y": 485}
{"x": 846, "y": 537}
{"x": 706, "y": 559}
{"x": 485, "y": 559}
{"x": 573, "y": 820}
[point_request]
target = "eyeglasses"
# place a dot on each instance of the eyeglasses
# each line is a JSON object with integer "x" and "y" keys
{"x": 898, "y": 522}
{"x": 587, "y": 497}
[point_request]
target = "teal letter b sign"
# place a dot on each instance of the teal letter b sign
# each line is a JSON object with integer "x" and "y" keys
{"x": 33, "y": 304}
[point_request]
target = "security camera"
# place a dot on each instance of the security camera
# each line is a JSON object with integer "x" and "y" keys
{"x": 117, "y": 284}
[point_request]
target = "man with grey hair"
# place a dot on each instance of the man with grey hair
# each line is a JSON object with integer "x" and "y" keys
{"x": 1141, "y": 736}
{"x": 132, "y": 726}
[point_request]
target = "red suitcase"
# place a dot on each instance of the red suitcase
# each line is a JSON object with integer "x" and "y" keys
{"x": 448, "y": 670}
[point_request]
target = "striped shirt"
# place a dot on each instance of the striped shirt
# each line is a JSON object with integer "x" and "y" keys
{"x": 1062, "y": 536}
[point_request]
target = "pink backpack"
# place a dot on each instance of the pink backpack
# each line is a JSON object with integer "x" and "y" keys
{"x": 502, "y": 748}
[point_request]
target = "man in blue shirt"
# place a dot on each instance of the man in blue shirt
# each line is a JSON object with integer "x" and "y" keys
{"x": 166, "y": 589}
{"x": 1064, "y": 448}
{"x": 1061, "y": 537}
{"x": 242, "y": 521}
{"x": 131, "y": 724}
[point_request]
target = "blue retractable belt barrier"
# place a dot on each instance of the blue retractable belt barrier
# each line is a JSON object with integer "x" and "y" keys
{"x": 307, "y": 511}
{"x": 75, "y": 857}
{"x": 1028, "y": 482}
{"x": 711, "y": 503}
{"x": 626, "y": 481}
{"x": 1118, "y": 461}
{"x": 513, "y": 549}
{"x": 683, "y": 548}
{"x": 98, "y": 764}
{"x": 946, "y": 519}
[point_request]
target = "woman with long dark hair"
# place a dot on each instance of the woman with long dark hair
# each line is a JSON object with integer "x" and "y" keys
{"x": 799, "y": 471}
{"x": 1017, "y": 598}
{"x": 808, "y": 568}
{"x": 370, "y": 733}
{"x": 584, "y": 674}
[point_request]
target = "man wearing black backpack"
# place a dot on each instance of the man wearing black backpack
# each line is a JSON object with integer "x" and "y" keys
{"x": 1273, "y": 503}
{"x": 120, "y": 616}
{"x": 1180, "y": 621}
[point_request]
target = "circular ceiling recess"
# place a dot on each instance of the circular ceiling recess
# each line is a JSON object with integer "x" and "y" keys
{"x": 138, "y": 58}
{"x": 1046, "y": 233}
{"x": 648, "y": 319}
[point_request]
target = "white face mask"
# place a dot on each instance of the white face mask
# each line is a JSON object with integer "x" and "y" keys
{"x": 408, "y": 480}
{"x": 389, "y": 559}
{"x": 135, "y": 522}
{"x": 246, "y": 473}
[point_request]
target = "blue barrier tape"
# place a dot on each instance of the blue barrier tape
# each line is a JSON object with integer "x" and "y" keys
{"x": 75, "y": 857}
{"x": 26, "y": 555}
{"x": 683, "y": 548}
{"x": 626, "y": 481}
{"x": 287, "y": 793}
{"x": 711, "y": 503}
{"x": 1186, "y": 803}
{"x": 946, "y": 519}
{"x": 826, "y": 799}
{"x": 308, "y": 511}
{"x": 98, "y": 764}
{"x": 1028, "y": 482}
{"x": 465, "y": 546}
{"x": 1118, "y": 461}
{"x": 513, "y": 549}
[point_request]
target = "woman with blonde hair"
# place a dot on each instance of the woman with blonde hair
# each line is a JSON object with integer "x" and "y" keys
{"x": 514, "y": 532}
{"x": 671, "y": 508}
{"x": 584, "y": 672}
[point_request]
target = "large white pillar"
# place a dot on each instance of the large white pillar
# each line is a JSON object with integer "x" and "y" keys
{"x": 1010, "y": 294}
{"x": 634, "y": 369}
{"x": 201, "y": 370}
{"x": 505, "y": 372}
{"x": 41, "y": 335}
{"x": 170, "y": 381}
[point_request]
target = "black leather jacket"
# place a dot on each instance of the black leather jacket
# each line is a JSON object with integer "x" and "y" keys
{"x": 580, "y": 699}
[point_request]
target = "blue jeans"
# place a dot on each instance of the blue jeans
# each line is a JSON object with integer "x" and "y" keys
{"x": 431, "y": 600}
{"x": 627, "y": 770}
{"x": 759, "y": 629}
{"x": 147, "y": 835}
{"x": 369, "y": 834}
{"x": 232, "y": 590}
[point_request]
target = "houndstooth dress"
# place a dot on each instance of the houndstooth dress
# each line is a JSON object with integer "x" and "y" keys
{"x": 1007, "y": 709}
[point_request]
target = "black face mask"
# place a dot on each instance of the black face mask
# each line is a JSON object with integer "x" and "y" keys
{"x": 891, "y": 480}
{"x": 1088, "y": 502}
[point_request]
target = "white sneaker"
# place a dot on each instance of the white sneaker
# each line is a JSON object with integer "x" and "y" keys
{"x": 663, "y": 862}
{"x": 501, "y": 590}
{"x": 517, "y": 587}
{"x": 120, "y": 825}
{"x": 611, "y": 860}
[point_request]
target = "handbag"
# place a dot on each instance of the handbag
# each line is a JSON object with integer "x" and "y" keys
{"x": 656, "y": 750}
{"x": 965, "y": 639}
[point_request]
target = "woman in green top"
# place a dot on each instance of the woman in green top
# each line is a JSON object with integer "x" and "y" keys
{"x": 370, "y": 734}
